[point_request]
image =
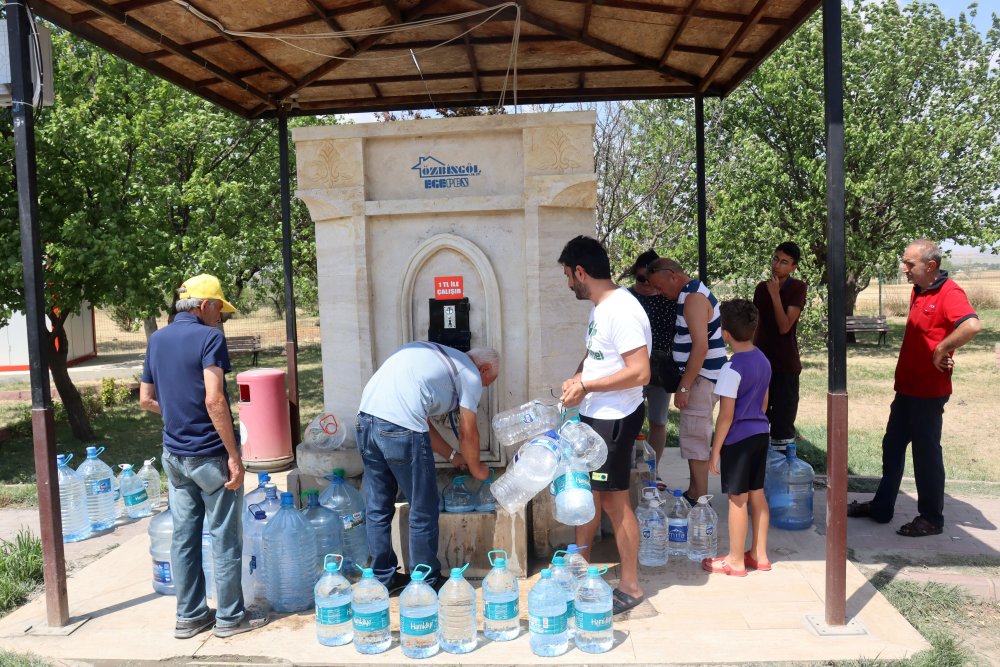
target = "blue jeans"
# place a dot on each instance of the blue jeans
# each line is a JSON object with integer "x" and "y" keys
{"x": 397, "y": 458}
{"x": 199, "y": 493}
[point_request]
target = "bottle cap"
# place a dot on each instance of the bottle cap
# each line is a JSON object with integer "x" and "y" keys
{"x": 420, "y": 572}
{"x": 366, "y": 572}
{"x": 332, "y": 562}
{"x": 552, "y": 434}
{"x": 457, "y": 572}
{"x": 287, "y": 499}
{"x": 595, "y": 570}
{"x": 61, "y": 459}
{"x": 641, "y": 436}
{"x": 94, "y": 452}
{"x": 497, "y": 561}
{"x": 263, "y": 477}
{"x": 258, "y": 514}
{"x": 271, "y": 490}
{"x": 546, "y": 573}
{"x": 678, "y": 493}
{"x": 339, "y": 472}
{"x": 558, "y": 560}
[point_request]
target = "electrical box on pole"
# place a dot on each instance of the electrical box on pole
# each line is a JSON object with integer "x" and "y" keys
{"x": 41, "y": 66}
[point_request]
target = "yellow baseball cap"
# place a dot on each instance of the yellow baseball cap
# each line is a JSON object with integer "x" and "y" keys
{"x": 205, "y": 286}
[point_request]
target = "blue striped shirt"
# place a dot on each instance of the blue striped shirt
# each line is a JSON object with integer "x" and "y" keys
{"x": 716, "y": 356}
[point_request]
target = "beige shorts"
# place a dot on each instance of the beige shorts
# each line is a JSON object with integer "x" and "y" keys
{"x": 696, "y": 421}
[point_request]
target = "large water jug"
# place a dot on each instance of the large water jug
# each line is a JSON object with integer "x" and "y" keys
{"x": 547, "y": 634}
{"x": 485, "y": 502}
{"x": 574, "y": 499}
{"x": 458, "y": 498}
{"x": 334, "y": 626}
{"x": 518, "y": 424}
{"x": 567, "y": 582}
{"x": 652, "y": 528}
{"x": 501, "y": 616}
{"x": 272, "y": 501}
{"x": 72, "y": 501}
{"x": 582, "y": 442}
{"x": 791, "y": 498}
{"x": 776, "y": 454}
{"x": 253, "y": 556}
{"x": 161, "y": 535}
{"x": 98, "y": 479}
{"x": 576, "y": 563}
{"x": 595, "y": 631}
{"x": 418, "y": 616}
{"x": 289, "y": 547}
{"x": 703, "y": 535}
{"x": 326, "y": 432}
{"x": 530, "y": 472}
{"x": 370, "y": 614}
{"x": 151, "y": 482}
{"x": 457, "y": 613}
{"x": 326, "y": 526}
{"x": 677, "y": 526}
{"x": 134, "y": 496}
{"x": 256, "y": 496}
{"x": 348, "y": 504}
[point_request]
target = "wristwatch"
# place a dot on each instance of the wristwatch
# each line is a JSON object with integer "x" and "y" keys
{"x": 451, "y": 457}
{"x": 683, "y": 390}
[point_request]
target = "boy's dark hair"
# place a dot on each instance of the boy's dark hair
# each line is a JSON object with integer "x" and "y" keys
{"x": 590, "y": 254}
{"x": 739, "y": 317}
{"x": 791, "y": 249}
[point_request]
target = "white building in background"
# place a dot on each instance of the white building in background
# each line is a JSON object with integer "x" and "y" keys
{"x": 80, "y": 332}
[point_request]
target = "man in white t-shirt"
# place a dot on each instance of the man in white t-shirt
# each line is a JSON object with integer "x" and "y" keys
{"x": 608, "y": 388}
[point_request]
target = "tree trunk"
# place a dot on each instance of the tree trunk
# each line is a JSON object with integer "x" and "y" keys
{"x": 79, "y": 422}
{"x": 279, "y": 306}
{"x": 149, "y": 326}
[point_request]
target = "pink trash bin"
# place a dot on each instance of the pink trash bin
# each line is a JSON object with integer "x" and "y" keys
{"x": 265, "y": 429}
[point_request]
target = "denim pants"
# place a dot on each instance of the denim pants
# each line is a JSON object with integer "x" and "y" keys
{"x": 916, "y": 420}
{"x": 199, "y": 494}
{"x": 398, "y": 459}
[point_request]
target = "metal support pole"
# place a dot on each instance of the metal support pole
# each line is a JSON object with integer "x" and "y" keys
{"x": 699, "y": 124}
{"x": 836, "y": 443}
{"x": 19, "y": 31}
{"x": 291, "y": 334}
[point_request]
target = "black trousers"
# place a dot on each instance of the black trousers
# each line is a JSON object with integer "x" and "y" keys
{"x": 916, "y": 420}
{"x": 783, "y": 405}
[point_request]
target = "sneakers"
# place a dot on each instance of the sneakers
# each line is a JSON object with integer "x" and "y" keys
{"x": 398, "y": 582}
{"x": 188, "y": 629}
{"x": 250, "y": 621}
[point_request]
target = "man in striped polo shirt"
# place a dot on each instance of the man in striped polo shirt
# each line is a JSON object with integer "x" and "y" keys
{"x": 700, "y": 353}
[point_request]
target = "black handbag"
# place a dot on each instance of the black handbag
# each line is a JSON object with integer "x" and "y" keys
{"x": 663, "y": 371}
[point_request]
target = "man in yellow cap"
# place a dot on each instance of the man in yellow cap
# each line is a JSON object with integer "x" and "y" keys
{"x": 183, "y": 380}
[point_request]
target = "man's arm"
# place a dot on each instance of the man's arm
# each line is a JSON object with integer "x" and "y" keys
{"x": 696, "y": 314}
{"x": 147, "y": 397}
{"x": 962, "y": 334}
{"x": 635, "y": 374}
{"x": 441, "y": 447}
{"x": 468, "y": 443}
{"x": 222, "y": 419}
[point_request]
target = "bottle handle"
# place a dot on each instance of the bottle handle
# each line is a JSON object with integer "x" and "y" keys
{"x": 100, "y": 450}
{"x": 328, "y": 557}
{"x": 417, "y": 568}
{"x": 489, "y": 555}
{"x": 559, "y": 551}
{"x": 67, "y": 458}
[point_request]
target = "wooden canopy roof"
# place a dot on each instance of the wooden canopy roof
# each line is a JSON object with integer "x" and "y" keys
{"x": 567, "y": 50}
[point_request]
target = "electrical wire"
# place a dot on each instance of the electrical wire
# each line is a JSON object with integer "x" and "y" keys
{"x": 35, "y": 56}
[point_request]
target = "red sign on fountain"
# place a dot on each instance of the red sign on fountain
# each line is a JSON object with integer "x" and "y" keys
{"x": 448, "y": 287}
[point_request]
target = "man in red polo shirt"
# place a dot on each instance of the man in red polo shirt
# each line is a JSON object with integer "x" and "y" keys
{"x": 941, "y": 320}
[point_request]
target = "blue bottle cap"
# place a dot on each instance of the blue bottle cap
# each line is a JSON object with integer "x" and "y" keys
{"x": 546, "y": 573}
{"x": 558, "y": 560}
{"x": 367, "y": 573}
{"x": 457, "y": 572}
{"x": 678, "y": 493}
{"x": 287, "y": 499}
{"x": 420, "y": 572}
{"x": 552, "y": 434}
{"x": 94, "y": 452}
{"x": 650, "y": 484}
{"x": 263, "y": 477}
{"x": 258, "y": 513}
{"x": 61, "y": 459}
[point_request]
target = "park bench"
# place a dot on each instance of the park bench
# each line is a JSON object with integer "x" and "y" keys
{"x": 868, "y": 324}
{"x": 244, "y": 344}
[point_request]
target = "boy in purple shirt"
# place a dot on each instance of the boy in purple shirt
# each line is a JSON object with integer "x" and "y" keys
{"x": 741, "y": 439}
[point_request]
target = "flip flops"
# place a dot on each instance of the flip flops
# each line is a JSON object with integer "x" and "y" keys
{"x": 752, "y": 564}
{"x": 919, "y": 527}
{"x": 720, "y": 566}
{"x": 622, "y": 602}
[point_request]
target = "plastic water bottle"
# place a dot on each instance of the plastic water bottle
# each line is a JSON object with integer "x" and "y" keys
{"x": 271, "y": 503}
{"x": 791, "y": 498}
{"x": 134, "y": 493}
{"x": 116, "y": 490}
{"x": 151, "y": 481}
{"x": 501, "y": 616}
{"x": 253, "y": 555}
{"x": 547, "y": 634}
{"x": 256, "y": 496}
{"x": 525, "y": 421}
{"x": 576, "y": 563}
{"x": 326, "y": 432}
{"x": 348, "y": 504}
{"x": 334, "y": 626}
{"x": 574, "y": 499}
{"x": 638, "y": 451}
{"x": 370, "y": 614}
{"x": 530, "y": 472}
{"x": 485, "y": 502}
{"x": 567, "y": 582}
{"x": 776, "y": 454}
{"x": 583, "y": 443}
{"x": 418, "y": 616}
{"x": 98, "y": 479}
{"x": 595, "y": 631}
{"x": 652, "y": 528}
{"x": 649, "y": 458}
{"x": 702, "y": 533}
{"x": 326, "y": 526}
{"x": 289, "y": 547}
{"x": 72, "y": 501}
{"x": 457, "y": 613}
{"x": 458, "y": 498}
{"x": 677, "y": 526}
{"x": 161, "y": 535}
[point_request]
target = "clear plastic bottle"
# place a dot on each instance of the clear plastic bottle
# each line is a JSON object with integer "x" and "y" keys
{"x": 98, "y": 479}
{"x": 776, "y": 454}
{"x": 418, "y": 616}
{"x": 791, "y": 497}
{"x": 116, "y": 490}
{"x": 649, "y": 458}
{"x": 583, "y": 443}
{"x": 518, "y": 424}
{"x": 370, "y": 614}
{"x": 326, "y": 432}
{"x": 289, "y": 547}
{"x": 638, "y": 451}
{"x": 332, "y": 594}
{"x": 567, "y": 582}
{"x": 485, "y": 502}
{"x": 326, "y": 526}
{"x": 272, "y": 502}
{"x": 702, "y": 533}
{"x": 72, "y": 501}
{"x": 457, "y": 613}
{"x": 458, "y": 498}
{"x": 134, "y": 493}
{"x": 161, "y": 534}
{"x": 347, "y": 502}
{"x": 501, "y": 616}
{"x": 595, "y": 631}
{"x": 574, "y": 499}
{"x": 547, "y": 634}
{"x": 253, "y": 555}
{"x": 530, "y": 472}
{"x": 576, "y": 562}
{"x": 151, "y": 482}
{"x": 652, "y": 528}
{"x": 677, "y": 526}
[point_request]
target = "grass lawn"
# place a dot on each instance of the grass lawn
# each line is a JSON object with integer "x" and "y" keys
{"x": 20, "y": 569}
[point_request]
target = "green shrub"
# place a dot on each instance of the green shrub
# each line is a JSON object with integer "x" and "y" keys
{"x": 114, "y": 393}
{"x": 20, "y": 569}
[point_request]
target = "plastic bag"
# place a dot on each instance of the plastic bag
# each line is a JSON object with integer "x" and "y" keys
{"x": 326, "y": 431}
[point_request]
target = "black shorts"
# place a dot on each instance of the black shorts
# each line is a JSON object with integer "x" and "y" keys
{"x": 743, "y": 464}
{"x": 619, "y": 434}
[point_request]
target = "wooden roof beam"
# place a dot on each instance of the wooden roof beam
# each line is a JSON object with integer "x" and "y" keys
{"x": 585, "y": 30}
{"x": 335, "y": 25}
{"x": 471, "y": 55}
{"x": 752, "y": 19}
{"x": 130, "y": 6}
{"x": 638, "y": 5}
{"x": 448, "y": 76}
{"x": 692, "y": 6}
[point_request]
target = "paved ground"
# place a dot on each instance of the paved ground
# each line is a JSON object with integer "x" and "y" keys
{"x": 110, "y": 365}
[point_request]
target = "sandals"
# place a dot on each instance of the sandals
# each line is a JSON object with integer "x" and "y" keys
{"x": 919, "y": 527}
{"x": 622, "y": 602}
{"x": 720, "y": 566}
{"x": 752, "y": 564}
{"x": 857, "y": 510}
